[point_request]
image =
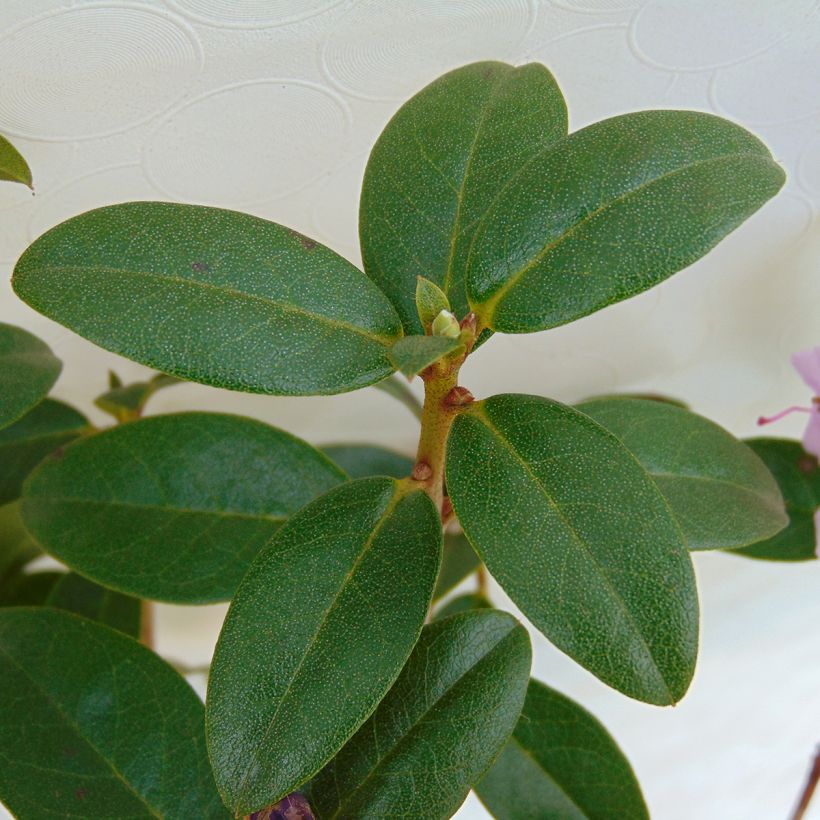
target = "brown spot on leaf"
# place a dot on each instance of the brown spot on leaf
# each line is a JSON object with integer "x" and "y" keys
{"x": 307, "y": 243}
{"x": 81, "y": 793}
{"x": 58, "y": 453}
{"x": 200, "y": 267}
{"x": 807, "y": 464}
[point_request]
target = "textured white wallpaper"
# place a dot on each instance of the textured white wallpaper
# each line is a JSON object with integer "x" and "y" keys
{"x": 271, "y": 106}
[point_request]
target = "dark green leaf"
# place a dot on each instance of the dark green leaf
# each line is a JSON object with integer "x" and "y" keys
{"x": 76, "y": 594}
{"x": 23, "y": 445}
{"x": 611, "y": 211}
{"x": 317, "y": 632}
{"x": 92, "y": 724}
{"x": 719, "y": 490}
{"x": 213, "y": 296}
{"x": 798, "y": 476}
{"x": 580, "y": 537}
{"x": 17, "y": 547}
{"x": 28, "y": 370}
{"x": 366, "y": 460}
{"x": 437, "y": 167}
{"x": 560, "y": 764}
{"x": 28, "y": 588}
{"x": 413, "y": 353}
{"x": 439, "y": 727}
{"x": 459, "y": 560}
{"x": 13, "y": 168}
{"x": 172, "y": 507}
{"x": 126, "y": 402}
{"x": 396, "y": 387}
{"x": 463, "y": 603}
{"x": 430, "y": 301}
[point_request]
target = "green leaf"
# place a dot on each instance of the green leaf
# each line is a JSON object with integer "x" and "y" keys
{"x": 560, "y": 764}
{"x": 611, "y": 211}
{"x": 13, "y": 168}
{"x": 28, "y": 370}
{"x": 437, "y": 167}
{"x": 173, "y": 507}
{"x": 798, "y": 477}
{"x": 439, "y": 727}
{"x": 463, "y": 603}
{"x": 17, "y": 547}
{"x": 214, "y": 296}
{"x": 76, "y": 594}
{"x": 317, "y": 632}
{"x": 580, "y": 537}
{"x": 126, "y": 402}
{"x": 365, "y": 460}
{"x": 458, "y": 561}
{"x": 430, "y": 301}
{"x": 28, "y": 588}
{"x": 413, "y": 353}
{"x": 23, "y": 445}
{"x": 397, "y": 388}
{"x": 719, "y": 490}
{"x": 92, "y": 724}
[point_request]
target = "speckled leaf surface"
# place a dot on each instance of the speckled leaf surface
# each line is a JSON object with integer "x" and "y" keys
{"x": 720, "y": 492}
{"x": 413, "y": 353}
{"x": 438, "y": 165}
{"x": 92, "y": 724}
{"x": 317, "y": 632}
{"x": 13, "y": 168}
{"x": 439, "y": 727}
{"x": 611, "y": 211}
{"x": 798, "y": 477}
{"x": 175, "y": 507}
{"x": 74, "y": 593}
{"x": 24, "y": 444}
{"x": 579, "y": 536}
{"x": 458, "y": 561}
{"x": 366, "y": 460}
{"x": 28, "y": 370}
{"x": 560, "y": 764}
{"x": 213, "y": 296}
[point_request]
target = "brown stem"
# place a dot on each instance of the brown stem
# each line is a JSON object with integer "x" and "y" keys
{"x": 481, "y": 577}
{"x": 808, "y": 788}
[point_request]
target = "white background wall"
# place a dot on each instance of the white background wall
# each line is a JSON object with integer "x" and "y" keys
{"x": 271, "y": 107}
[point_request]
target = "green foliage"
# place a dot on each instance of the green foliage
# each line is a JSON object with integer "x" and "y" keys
{"x": 413, "y": 353}
{"x": 17, "y": 547}
{"x": 459, "y": 561}
{"x": 430, "y": 301}
{"x": 463, "y": 603}
{"x": 13, "y": 168}
{"x": 366, "y": 460}
{"x": 127, "y": 401}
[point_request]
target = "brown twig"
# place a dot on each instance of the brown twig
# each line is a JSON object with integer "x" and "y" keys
{"x": 808, "y": 788}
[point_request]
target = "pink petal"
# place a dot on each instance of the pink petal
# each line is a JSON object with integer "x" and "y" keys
{"x": 817, "y": 532}
{"x": 811, "y": 437}
{"x": 807, "y": 364}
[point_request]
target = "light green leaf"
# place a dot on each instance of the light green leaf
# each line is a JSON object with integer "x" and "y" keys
{"x": 213, "y": 296}
{"x": 13, "y": 168}
{"x": 366, "y": 460}
{"x": 92, "y": 724}
{"x": 459, "y": 560}
{"x": 24, "y": 444}
{"x": 560, "y": 764}
{"x": 439, "y": 727}
{"x": 430, "y": 301}
{"x": 719, "y": 490}
{"x": 127, "y": 402}
{"x": 611, "y": 211}
{"x": 798, "y": 477}
{"x": 463, "y": 603}
{"x": 28, "y": 370}
{"x": 437, "y": 167}
{"x": 317, "y": 632}
{"x": 580, "y": 537}
{"x": 414, "y": 353}
{"x": 174, "y": 507}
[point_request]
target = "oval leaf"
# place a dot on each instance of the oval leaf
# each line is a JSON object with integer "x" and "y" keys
{"x": 413, "y": 353}
{"x": 94, "y": 725}
{"x": 28, "y": 370}
{"x": 439, "y": 727}
{"x": 24, "y": 444}
{"x": 174, "y": 507}
{"x": 719, "y": 490}
{"x": 17, "y": 547}
{"x": 438, "y": 165}
{"x": 365, "y": 460}
{"x": 611, "y": 211}
{"x": 458, "y": 561}
{"x": 13, "y": 168}
{"x": 317, "y": 632}
{"x": 463, "y": 603}
{"x": 798, "y": 477}
{"x": 560, "y": 764}
{"x": 213, "y": 296}
{"x": 579, "y": 536}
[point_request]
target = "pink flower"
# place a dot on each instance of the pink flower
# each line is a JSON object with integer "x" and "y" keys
{"x": 807, "y": 364}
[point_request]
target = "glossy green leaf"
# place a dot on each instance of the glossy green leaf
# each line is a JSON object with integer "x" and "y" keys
{"x": 76, "y": 594}
{"x": 24, "y": 444}
{"x": 28, "y": 588}
{"x": 437, "y": 167}
{"x": 172, "y": 507}
{"x": 213, "y": 296}
{"x": 92, "y": 724}
{"x": 798, "y": 477}
{"x": 28, "y": 370}
{"x": 127, "y": 401}
{"x": 413, "y": 353}
{"x": 430, "y": 301}
{"x": 611, "y": 211}
{"x": 17, "y": 547}
{"x": 13, "y": 168}
{"x": 560, "y": 764}
{"x": 397, "y": 387}
{"x": 366, "y": 460}
{"x": 463, "y": 603}
{"x": 579, "y": 536}
{"x": 719, "y": 490}
{"x": 439, "y": 727}
{"x": 458, "y": 561}
{"x": 317, "y": 632}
